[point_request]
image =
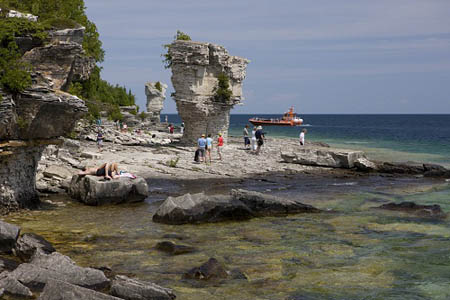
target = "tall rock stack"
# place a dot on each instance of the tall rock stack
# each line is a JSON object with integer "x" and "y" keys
{"x": 156, "y": 94}
{"x": 35, "y": 117}
{"x": 195, "y": 70}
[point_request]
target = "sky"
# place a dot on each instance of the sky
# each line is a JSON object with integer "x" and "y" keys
{"x": 320, "y": 56}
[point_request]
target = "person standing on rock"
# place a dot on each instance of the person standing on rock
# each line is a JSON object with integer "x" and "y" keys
{"x": 302, "y": 137}
{"x": 253, "y": 139}
{"x": 219, "y": 146}
{"x": 259, "y": 134}
{"x": 246, "y": 139}
{"x": 201, "y": 147}
{"x": 100, "y": 141}
{"x": 182, "y": 128}
{"x": 209, "y": 145}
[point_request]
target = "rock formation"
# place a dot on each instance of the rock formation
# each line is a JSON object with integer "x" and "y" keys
{"x": 239, "y": 205}
{"x": 195, "y": 70}
{"x": 323, "y": 156}
{"x": 156, "y": 94}
{"x": 94, "y": 190}
{"x": 35, "y": 117}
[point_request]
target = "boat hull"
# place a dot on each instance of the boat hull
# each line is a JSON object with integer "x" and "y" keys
{"x": 273, "y": 123}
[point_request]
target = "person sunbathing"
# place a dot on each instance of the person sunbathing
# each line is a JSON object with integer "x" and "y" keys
{"x": 113, "y": 171}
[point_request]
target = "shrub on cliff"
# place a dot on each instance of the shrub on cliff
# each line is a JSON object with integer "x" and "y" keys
{"x": 158, "y": 86}
{"x": 180, "y": 36}
{"x": 223, "y": 92}
{"x": 14, "y": 74}
{"x": 56, "y": 13}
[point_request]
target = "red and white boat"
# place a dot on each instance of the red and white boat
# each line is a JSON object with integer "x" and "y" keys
{"x": 288, "y": 119}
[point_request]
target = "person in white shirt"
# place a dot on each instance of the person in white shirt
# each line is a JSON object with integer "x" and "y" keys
{"x": 302, "y": 137}
{"x": 253, "y": 141}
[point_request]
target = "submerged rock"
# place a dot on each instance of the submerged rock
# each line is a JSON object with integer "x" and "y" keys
{"x": 429, "y": 211}
{"x": 132, "y": 289}
{"x": 8, "y": 236}
{"x": 323, "y": 156}
{"x": 30, "y": 243}
{"x": 174, "y": 249}
{"x": 60, "y": 290}
{"x": 95, "y": 190}
{"x": 212, "y": 269}
{"x": 239, "y": 205}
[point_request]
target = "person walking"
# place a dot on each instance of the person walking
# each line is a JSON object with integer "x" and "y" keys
{"x": 209, "y": 146}
{"x": 246, "y": 139}
{"x": 253, "y": 146}
{"x": 302, "y": 137}
{"x": 259, "y": 134}
{"x": 201, "y": 147}
{"x": 182, "y": 128}
{"x": 219, "y": 146}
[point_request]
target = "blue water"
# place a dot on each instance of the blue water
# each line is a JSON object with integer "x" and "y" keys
{"x": 424, "y": 138}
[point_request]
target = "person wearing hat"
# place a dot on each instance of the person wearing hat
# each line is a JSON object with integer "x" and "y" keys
{"x": 259, "y": 134}
{"x": 219, "y": 146}
{"x": 201, "y": 147}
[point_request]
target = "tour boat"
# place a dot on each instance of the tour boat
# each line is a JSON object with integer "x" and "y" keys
{"x": 289, "y": 119}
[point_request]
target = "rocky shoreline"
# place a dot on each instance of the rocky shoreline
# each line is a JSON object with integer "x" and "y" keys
{"x": 159, "y": 155}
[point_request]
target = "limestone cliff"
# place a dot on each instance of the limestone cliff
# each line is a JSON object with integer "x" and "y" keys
{"x": 156, "y": 94}
{"x": 195, "y": 70}
{"x": 35, "y": 117}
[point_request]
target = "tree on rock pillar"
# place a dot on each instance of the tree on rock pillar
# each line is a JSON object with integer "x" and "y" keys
{"x": 208, "y": 83}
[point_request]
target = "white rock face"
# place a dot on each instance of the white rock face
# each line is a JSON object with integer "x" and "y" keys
{"x": 17, "y": 14}
{"x": 195, "y": 69}
{"x": 325, "y": 157}
{"x": 155, "y": 100}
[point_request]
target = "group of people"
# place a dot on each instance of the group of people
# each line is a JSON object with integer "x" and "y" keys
{"x": 256, "y": 142}
{"x": 205, "y": 146}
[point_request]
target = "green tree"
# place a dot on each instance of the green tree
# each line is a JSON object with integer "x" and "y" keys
{"x": 223, "y": 92}
{"x": 167, "y": 58}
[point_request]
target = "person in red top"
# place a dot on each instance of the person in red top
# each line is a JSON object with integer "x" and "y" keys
{"x": 219, "y": 146}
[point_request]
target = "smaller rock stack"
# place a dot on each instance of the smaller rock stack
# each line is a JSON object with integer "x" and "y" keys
{"x": 156, "y": 94}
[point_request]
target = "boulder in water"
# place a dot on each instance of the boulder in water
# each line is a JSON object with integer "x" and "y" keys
{"x": 200, "y": 208}
{"x": 132, "y": 289}
{"x": 43, "y": 268}
{"x": 239, "y": 205}
{"x": 428, "y": 211}
{"x": 13, "y": 287}
{"x": 95, "y": 190}
{"x": 30, "y": 243}
{"x": 174, "y": 249}
{"x": 212, "y": 269}
{"x": 60, "y": 290}
{"x": 8, "y": 236}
